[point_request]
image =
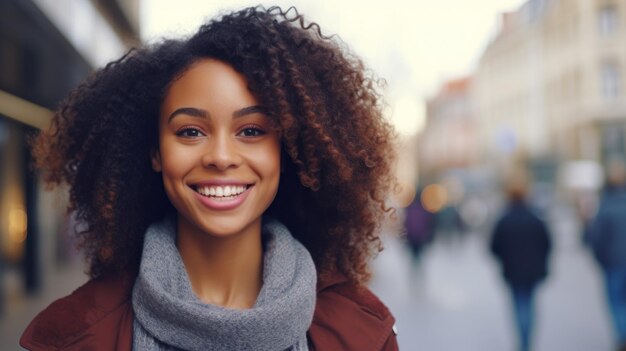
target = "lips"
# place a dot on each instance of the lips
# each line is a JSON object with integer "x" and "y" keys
{"x": 222, "y": 196}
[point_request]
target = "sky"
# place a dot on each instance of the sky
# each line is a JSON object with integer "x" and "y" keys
{"x": 414, "y": 45}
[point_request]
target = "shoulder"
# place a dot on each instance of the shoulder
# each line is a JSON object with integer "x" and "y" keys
{"x": 349, "y": 317}
{"x": 613, "y": 201}
{"x": 103, "y": 302}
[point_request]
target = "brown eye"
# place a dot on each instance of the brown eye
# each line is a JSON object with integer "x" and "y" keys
{"x": 189, "y": 133}
{"x": 251, "y": 132}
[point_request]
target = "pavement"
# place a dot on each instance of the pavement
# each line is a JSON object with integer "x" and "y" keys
{"x": 20, "y": 309}
{"x": 456, "y": 299}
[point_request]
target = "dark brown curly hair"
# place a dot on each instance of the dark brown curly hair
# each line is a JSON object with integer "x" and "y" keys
{"x": 338, "y": 148}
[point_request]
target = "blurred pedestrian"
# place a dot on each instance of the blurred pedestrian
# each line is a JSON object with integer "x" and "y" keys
{"x": 231, "y": 185}
{"x": 418, "y": 223}
{"x": 522, "y": 244}
{"x": 607, "y": 239}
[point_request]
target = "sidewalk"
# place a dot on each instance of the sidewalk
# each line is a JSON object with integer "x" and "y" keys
{"x": 459, "y": 302}
{"x": 20, "y": 309}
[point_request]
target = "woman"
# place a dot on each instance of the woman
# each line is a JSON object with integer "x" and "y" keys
{"x": 232, "y": 185}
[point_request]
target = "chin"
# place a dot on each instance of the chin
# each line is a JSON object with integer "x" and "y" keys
{"x": 224, "y": 227}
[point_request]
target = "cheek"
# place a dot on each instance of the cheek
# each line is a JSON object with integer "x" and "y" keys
{"x": 274, "y": 172}
{"x": 172, "y": 165}
{"x": 174, "y": 169}
{"x": 175, "y": 164}
{"x": 267, "y": 163}
{"x": 271, "y": 161}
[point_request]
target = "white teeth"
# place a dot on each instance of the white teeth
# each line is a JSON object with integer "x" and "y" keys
{"x": 221, "y": 191}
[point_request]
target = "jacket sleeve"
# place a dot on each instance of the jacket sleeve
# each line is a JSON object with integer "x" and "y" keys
{"x": 496, "y": 240}
{"x": 600, "y": 229}
{"x": 391, "y": 344}
{"x": 351, "y": 318}
{"x": 547, "y": 239}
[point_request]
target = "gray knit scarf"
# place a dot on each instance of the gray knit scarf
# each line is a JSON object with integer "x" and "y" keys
{"x": 168, "y": 315}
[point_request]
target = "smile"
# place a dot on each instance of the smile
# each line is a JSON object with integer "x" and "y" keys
{"x": 222, "y": 197}
{"x": 226, "y": 192}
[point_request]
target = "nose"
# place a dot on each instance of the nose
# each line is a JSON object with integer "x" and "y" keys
{"x": 221, "y": 153}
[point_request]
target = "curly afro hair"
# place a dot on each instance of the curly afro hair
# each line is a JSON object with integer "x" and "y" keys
{"x": 338, "y": 148}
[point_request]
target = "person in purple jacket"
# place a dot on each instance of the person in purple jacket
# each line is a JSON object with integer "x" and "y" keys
{"x": 231, "y": 187}
{"x": 419, "y": 227}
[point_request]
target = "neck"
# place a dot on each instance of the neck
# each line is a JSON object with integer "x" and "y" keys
{"x": 223, "y": 271}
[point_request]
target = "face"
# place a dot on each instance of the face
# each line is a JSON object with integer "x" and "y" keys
{"x": 218, "y": 151}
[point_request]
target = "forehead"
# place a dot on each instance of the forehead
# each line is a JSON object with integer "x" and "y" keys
{"x": 210, "y": 84}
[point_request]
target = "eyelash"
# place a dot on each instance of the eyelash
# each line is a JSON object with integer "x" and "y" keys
{"x": 251, "y": 127}
{"x": 181, "y": 132}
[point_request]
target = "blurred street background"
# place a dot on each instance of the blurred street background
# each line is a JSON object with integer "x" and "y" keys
{"x": 456, "y": 300}
{"x": 479, "y": 92}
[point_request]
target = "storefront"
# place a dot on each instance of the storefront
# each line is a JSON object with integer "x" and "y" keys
{"x": 38, "y": 66}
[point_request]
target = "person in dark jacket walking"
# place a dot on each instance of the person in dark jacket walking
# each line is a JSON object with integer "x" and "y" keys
{"x": 522, "y": 244}
{"x": 607, "y": 238}
{"x": 230, "y": 188}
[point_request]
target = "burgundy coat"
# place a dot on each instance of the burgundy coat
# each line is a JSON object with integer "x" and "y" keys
{"x": 99, "y": 316}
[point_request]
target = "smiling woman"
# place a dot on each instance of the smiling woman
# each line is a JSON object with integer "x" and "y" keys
{"x": 232, "y": 187}
{"x": 217, "y": 140}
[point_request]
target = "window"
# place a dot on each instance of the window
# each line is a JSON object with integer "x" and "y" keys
{"x": 610, "y": 80}
{"x": 607, "y": 20}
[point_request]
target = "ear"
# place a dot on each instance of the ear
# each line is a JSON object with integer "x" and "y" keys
{"x": 155, "y": 158}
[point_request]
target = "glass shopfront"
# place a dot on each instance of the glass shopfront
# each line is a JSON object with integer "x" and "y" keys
{"x": 38, "y": 67}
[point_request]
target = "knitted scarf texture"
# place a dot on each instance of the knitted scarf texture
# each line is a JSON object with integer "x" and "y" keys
{"x": 169, "y": 316}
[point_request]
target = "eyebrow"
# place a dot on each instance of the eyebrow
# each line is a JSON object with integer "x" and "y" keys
{"x": 199, "y": 113}
{"x": 189, "y": 111}
{"x": 248, "y": 111}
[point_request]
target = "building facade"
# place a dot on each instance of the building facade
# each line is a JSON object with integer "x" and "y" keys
{"x": 46, "y": 48}
{"x": 449, "y": 137}
{"x": 550, "y": 84}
